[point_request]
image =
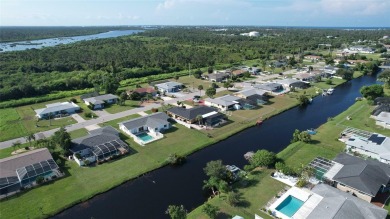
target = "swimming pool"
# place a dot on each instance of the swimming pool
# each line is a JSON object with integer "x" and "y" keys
{"x": 145, "y": 137}
{"x": 289, "y": 206}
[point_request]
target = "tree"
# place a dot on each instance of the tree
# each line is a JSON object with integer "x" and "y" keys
{"x": 328, "y": 81}
{"x": 227, "y": 85}
{"x": 303, "y": 100}
{"x": 345, "y": 74}
{"x": 210, "y": 210}
{"x": 210, "y": 92}
{"x": 198, "y": 73}
{"x": 329, "y": 61}
{"x": 210, "y": 70}
{"x": 212, "y": 184}
{"x": 216, "y": 169}
{"x": 371, "y": 92}
{"x": 385, "y": 77}
{"x": 295, "y": 136}
{"x": 176, "y": 212}
{"x": 16, "y": 144}
{"x": 122, "y": 98}
{"x": 263, "y": 158}
{"x": 305, "y": 137}
{"x": 149, "y": 96}
{"x": 233, "y": 198}
{"x": 111, "y": 85}
{"x": 30, "y": 137}
{"x": 61, "y": 138}
{"x": 263, "y": 64}
{"x": 200, "y": 88}
{"x": 176, "y": 77}
{"x": 199, "y": 118}
{"x": 135, "y": 96}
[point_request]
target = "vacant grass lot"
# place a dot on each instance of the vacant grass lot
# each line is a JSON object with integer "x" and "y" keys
{"x": 324, "y": 144}
{"x": 20, "y": 121}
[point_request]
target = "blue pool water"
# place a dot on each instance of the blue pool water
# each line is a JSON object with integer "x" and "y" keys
{"x": 289, "y": 206}
{"x": 145, "y": 137}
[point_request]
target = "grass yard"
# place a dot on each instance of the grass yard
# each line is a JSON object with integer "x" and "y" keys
{"x": 191, "y": 82}
{"x": 114, "y": 123}
{"x": 78, "y": 133}
{"x": 324, "y": 144}
{"x": 20, "y": 121}
{"x": 85, "y": 109}
{"x": 116, "y": 108}
{"x": 76, "y": 186}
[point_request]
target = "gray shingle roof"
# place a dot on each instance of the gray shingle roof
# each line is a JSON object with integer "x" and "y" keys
{"x": 268, "y": 86}
{"x": 152, "y": 121}
{"x": 250, "y": 92}
{"x": 336, "y": 204}
{"x": 192, "y": 112}
{"x": 100, "y": 99}
{"x": 169, "y": 85}
{"x": 9, "y": 165}
{"x": 226, "y": 100}
{"x": 364, "y": 175}
{"x": 96, "y": 137}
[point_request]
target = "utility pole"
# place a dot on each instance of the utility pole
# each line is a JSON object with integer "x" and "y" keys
{"x": 189, "y": 69}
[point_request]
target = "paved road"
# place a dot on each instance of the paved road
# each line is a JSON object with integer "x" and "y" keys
{"x": 83, "y": 124}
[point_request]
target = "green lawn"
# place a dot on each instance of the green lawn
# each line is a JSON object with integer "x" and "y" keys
{"x": 77, "y": 186}
{"x": 78, "y": 133}
{"x": 18, "y": 122}
{"x": 116, "y": 108}
{"x": 85, "y": 109}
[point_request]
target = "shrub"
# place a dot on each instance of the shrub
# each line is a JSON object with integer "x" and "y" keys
{"x": 87, "y": 162}
{"x": 154, "y": 110}
{"x": 88, "y": 114}
{"x": 26, "y": 148}
{"x": 74, "y": 100}
{"x": 39, "y": 180}
{"x": 301, "y": 183}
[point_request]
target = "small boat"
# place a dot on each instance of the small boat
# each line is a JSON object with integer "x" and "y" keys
{"x": 330, "y": 91}
{"x": 311, "y": 131}
{"x": 259, "y": 122}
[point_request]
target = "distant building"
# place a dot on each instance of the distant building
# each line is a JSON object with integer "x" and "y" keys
{"x": 169, "y": 87}
{"x": 254, "y": 34}
{"x": 57, "y": 109}
{"x": 269, "y": 87}
{"x": 210, "y": 115}
{"x": 227, "y": 102}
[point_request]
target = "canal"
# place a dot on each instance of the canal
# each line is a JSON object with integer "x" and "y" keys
{"x": 149, "y": 196}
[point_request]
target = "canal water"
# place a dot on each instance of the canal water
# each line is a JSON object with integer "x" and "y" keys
{"x": 38, "y": 44}
{"x": 149, "y": 196}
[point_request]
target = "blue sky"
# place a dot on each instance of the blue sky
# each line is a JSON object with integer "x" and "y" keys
{"x": 362, "y": 13}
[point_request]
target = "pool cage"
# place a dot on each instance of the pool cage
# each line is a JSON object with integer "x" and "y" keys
{"x": 108, "y": 149}
{"x": 321, "y": 166}
{"x": 349, "y": 132}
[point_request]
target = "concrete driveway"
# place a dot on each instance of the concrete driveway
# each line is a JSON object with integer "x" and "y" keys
{"x": 78, "y": 118}
{"x": 101, "y": 113}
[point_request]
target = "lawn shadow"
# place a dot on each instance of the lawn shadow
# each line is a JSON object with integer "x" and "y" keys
{"x": 223, "y": 215}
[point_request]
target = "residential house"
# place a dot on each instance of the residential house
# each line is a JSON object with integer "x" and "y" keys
{"x": 293, "y": 83}
{"x": 224, "y": 103}
{"x": 279, "y": 64}
{"x": 269, "y": 87}
{"x": 143, "y": 91}
{"x": 361, "y": 49}
{"x": 210, "y": 116}
{"x": 217, "y": 77}
{"x": 99, "y": 145}
{"x": 330, "y": 71}
{"x": 239, "y": 72}
{"x": 98, "y": 102}
{"x": 313, "y": 57}
{"x": 304, "y": 76}
{"x": 375, "y": 146}
{"x": 364, "y": 179}
{"x": 57, "y": 109}
{"x": 383, "y": 119}
{"x": 169, "y": 87}
{"x": 147, "y": 128}
{"x": 382, "y": 101}
{"x": 22, "y": 170}
{"x": 254, "y": 96}
{"x": 326, "y": 202}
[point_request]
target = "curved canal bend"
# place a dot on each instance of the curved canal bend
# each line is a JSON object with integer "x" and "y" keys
{"x": 149, "y": 196}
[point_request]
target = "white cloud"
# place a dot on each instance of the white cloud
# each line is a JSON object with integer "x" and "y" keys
{"x": 167, "y": 4}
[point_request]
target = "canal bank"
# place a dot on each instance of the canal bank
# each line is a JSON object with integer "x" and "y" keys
{"x": 148, "y": 196}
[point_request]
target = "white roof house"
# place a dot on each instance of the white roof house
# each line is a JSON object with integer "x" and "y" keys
{"x": 383, "y": 119}
{"x": 376, "y": 146}
{"x": 169, "y": 86}
{"x": 250, "y": 92}
{"x": 224, "y": 103}
{"x": 57, "y": 108}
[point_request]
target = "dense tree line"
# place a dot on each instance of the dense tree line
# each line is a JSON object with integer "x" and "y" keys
{"x": 88, "y": 64}
{"x": 14, "y": 34}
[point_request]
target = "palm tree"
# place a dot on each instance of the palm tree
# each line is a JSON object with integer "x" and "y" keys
{"x": 200, "y": 88}
{"x": 30, "y": 137}
{"x": 212, "y": 184}
{"x": 199, "y": 118}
